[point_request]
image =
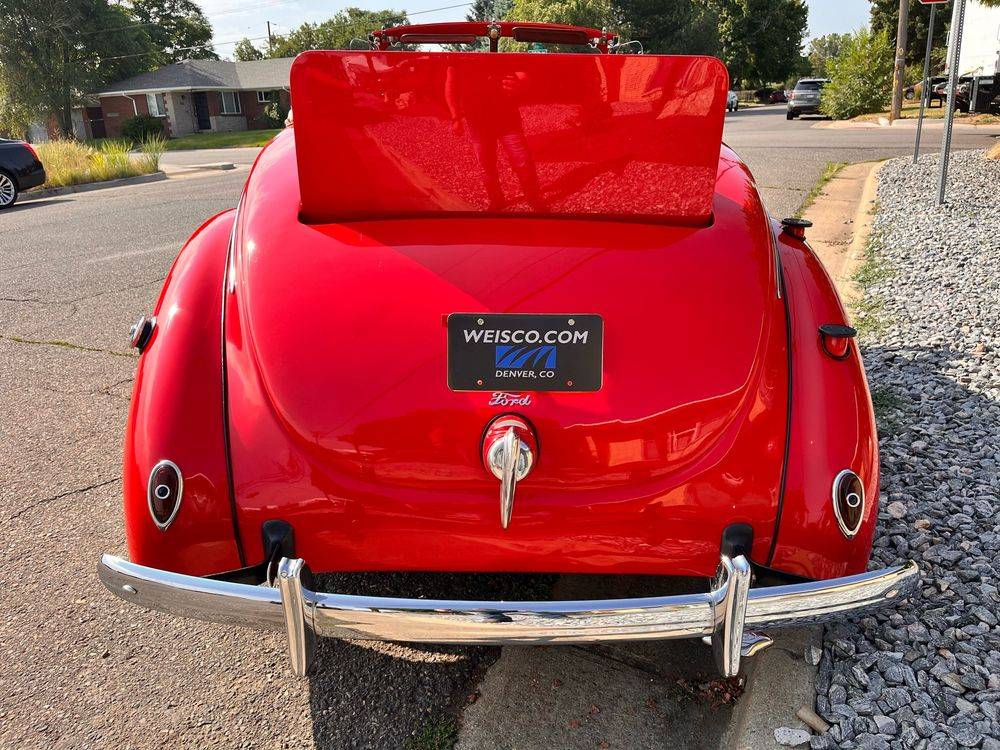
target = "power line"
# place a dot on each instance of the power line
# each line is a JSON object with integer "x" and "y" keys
{"x": 261, "y": 38}
{"x": 238, "y": 11}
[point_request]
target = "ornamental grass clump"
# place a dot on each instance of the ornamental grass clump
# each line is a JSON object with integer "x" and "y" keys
{"x": 69, "y": 162}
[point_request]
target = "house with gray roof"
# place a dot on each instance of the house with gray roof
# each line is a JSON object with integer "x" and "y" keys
{"x": 195, "y": 96}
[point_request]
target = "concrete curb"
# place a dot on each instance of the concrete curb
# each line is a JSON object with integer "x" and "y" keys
{"x": 779, "y": 682}
{"x": 88, "y": 186}
{"x": 907, "y": 124}
{"x": 210, "y": 167}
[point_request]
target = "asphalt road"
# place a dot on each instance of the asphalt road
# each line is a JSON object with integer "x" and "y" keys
{"x": 787, "y": 157}
{"x": 83, "y": 669}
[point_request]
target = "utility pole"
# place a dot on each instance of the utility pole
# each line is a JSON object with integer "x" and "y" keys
{"x": 900, "y": 71}
{"x": 270, "y": 40}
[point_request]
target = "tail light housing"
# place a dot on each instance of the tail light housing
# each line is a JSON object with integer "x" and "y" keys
{"x": 31, "y": 149}
{"x": 849, "y": 502}
{"x": 164, "y": 493}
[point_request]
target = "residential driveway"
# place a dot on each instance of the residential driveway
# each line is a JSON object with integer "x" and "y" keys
{"x": 85, "y": 670}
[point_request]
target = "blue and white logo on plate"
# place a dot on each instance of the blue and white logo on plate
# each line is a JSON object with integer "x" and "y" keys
{"x": 526, "y": 357}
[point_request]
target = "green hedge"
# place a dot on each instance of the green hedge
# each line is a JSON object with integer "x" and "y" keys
{"x": 141, "y": 127}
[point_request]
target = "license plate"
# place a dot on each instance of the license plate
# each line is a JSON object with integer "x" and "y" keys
{"x": 490, "y": 352}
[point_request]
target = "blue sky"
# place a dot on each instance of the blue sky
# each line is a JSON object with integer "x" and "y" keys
{"x": 234, "y": 19}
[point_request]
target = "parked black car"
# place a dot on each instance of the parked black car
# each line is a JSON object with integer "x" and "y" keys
{"x": 20, "y": 169}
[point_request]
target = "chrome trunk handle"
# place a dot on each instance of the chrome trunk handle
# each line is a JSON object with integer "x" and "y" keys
{"x": 510, "y": 459}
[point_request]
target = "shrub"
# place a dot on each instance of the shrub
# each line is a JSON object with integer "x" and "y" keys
{"x": 140, "y": 127}
{"x": 274, "y": 115}
{"x": 860, "y": 76}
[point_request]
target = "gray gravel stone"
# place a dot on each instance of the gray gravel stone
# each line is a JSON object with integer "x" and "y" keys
{"x": 927, "y": 673}
{"x": 788, "y": 737}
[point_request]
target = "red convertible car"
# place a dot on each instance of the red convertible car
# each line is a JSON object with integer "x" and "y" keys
{"x": 502, "y": 312}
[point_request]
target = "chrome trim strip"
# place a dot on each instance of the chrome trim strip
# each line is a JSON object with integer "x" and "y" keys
{"x": 486, "y": 622}
{"x": 149, "y": 493}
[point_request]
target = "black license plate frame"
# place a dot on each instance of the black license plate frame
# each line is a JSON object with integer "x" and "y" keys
{"x": 539, "y": 352}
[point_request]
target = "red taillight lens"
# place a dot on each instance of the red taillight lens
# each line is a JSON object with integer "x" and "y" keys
{"x": 164, "y": 493}
{"x": 31, "y": 149}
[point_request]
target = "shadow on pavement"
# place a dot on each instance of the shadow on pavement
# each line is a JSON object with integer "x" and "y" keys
{"x": 377, "y": 694}
{"x": 35, "y": 203}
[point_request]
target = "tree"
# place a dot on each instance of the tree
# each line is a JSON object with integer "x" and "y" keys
{"x": 593, "y": 13}
{"x": 334, "y": 33}
{"x": 670, "y": 26}
{"x": 885, "y": 15}
{"x": 760, "y": 40}
{"x": 15, "y": 116}
{"x": 860, "y": 76}
{"x": 822, "y": 49}
{"x": 489, "y": 10}
{"x": 55, "y": 52}
{"x": 244, "y": 50}
{"x": 174, "y": 26}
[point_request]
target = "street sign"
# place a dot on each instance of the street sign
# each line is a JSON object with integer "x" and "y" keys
{"x": 934, "y": 2}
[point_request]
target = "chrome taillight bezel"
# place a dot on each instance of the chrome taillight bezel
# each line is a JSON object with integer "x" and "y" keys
{"x": 838, "y": 495}
{"x": 150, "y": 490}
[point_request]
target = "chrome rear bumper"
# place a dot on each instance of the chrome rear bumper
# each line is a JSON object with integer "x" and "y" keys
{"x": 722, "y": 615}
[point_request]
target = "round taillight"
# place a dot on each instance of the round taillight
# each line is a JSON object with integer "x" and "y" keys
{"x": 164, "y": 492}
{"x": 849, "y": 502}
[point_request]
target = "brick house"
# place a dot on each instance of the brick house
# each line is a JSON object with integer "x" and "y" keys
{"x": 194, "y": 96}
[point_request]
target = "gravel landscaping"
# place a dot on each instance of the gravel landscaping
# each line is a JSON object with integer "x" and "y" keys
{"x": 927, "y": 674}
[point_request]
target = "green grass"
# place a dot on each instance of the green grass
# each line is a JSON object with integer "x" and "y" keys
{"x": 65, "y": 345}
{"x": 869, "y": 310}
{"x": 911, "y": 111}
{"x": 885, "y": 401}
{"x": 438, "y": 733}
{"x": 831, "y": 170}
{"x": 236, "y": 139}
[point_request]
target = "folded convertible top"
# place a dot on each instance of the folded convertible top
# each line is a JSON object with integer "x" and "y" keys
{"x": 409, "y": 134}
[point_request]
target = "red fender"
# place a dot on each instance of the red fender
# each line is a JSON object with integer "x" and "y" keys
{"x": 176, "y": 414}
{"x": 824, "y": 439}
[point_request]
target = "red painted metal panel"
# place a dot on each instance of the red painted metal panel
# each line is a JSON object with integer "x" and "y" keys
{"x": 343, "y": 423}
{"x": 395, "y": 134}
{"x": 176, "y": 414}
{"x": 833, "y": 428}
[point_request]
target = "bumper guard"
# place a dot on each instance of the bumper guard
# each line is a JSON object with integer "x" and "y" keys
{"x": 723, "y": 616}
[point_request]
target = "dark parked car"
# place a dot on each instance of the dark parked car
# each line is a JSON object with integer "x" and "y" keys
{"x": 805, "y": 98}
{"x": 912, "y": 93}
{"x": 779, "y": 97}
{"x": 20, "y": 169}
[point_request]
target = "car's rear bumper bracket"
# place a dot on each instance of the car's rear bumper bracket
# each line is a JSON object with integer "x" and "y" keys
{"x": 726, "y": 614}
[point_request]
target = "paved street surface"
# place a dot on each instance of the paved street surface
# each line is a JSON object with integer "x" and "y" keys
{"x": 83, "y": 669}
{"x": 787, "y": 157}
